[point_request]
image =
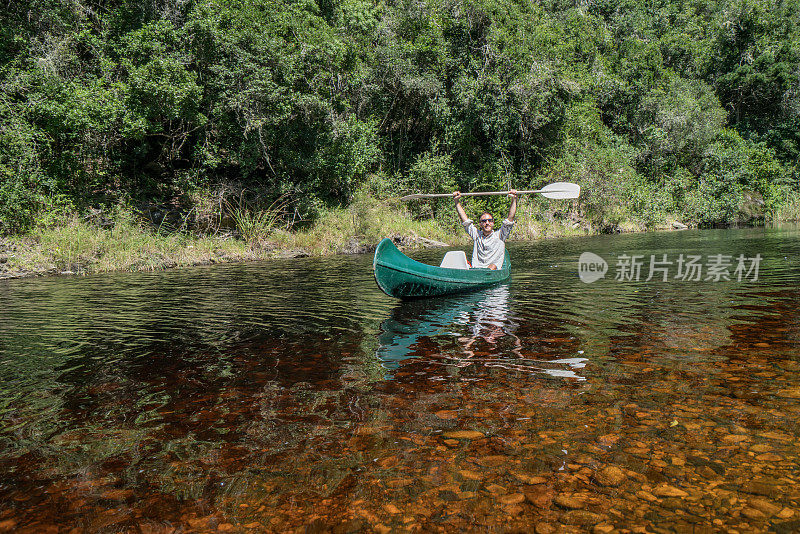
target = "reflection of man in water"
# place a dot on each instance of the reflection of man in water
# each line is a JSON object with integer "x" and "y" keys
{"x": 489, "y": 248}
{"x": 488, "y": 322}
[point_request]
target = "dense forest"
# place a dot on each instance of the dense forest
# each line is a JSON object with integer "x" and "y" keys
{"x": 682, "y": 108}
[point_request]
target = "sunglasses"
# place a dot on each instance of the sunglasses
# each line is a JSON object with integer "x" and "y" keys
{"x": 486, "y": 220}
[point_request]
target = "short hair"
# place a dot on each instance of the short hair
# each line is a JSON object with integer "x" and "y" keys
{"x": 485, "y": 213}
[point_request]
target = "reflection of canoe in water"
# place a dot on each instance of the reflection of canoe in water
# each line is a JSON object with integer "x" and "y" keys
{"x": 448, "y": 318}
{"x": 399, "y": 276}
{"x": 475, "y": 329}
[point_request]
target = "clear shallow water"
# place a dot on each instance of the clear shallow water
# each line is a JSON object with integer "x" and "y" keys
{"x": 294, "y": 394}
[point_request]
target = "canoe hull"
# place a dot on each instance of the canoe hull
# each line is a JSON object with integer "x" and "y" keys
{"x": 399, "y": 276}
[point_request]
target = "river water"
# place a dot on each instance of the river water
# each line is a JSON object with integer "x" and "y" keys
{"x": 295, "y": 396}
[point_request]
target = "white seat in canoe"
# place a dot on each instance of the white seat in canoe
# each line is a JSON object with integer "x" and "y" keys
{"x": 455, "y": 259}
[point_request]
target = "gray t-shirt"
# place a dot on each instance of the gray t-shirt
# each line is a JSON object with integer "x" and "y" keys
{"x": 488, "y": 248}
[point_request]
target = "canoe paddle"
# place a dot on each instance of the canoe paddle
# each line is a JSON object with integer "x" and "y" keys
{"x": 557, "y": 190}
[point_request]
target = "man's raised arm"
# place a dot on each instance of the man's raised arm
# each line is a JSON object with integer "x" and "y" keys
{"x": 512, "y": 210}
{"x": 460, "y": 210}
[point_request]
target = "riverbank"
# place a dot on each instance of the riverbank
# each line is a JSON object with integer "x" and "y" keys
{"x": 125, "y": 241}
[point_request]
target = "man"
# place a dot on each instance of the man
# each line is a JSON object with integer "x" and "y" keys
{"x": 489, "y": 248}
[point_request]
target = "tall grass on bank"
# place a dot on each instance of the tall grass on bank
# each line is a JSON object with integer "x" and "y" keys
{"x": 255, "y": 225}
{"x": 131, "y": 244}
{"x": 80, "y": 247}
{"x": 788, "y": 209}
{"x": 72, "y": 244}
{"x": 365, "y": 222}
{"x": 537, "y": 219}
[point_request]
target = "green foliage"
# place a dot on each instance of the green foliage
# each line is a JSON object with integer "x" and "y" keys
{"x": 590, "y": 154}
{"x": 739, "y": 181}
{"x": 254, "y": 226}
{"x": 432, "y": 173}
{"x": 675, "y": 124}
{"x": 21, "y": 177}
{"x": 18, "y": 203}
{"x": 351, "y": 153}
{"x": 752, "y": 62}
{"x": 160, "y": 87}
{"x": 667, "y": 109}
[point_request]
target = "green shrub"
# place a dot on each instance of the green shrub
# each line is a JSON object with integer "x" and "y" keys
{"x": 739, "y": 180}
{"x": 430, "y": 173}
{"x": 21, "y": 176}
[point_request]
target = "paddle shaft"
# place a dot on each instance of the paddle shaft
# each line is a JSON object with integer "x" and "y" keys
{"x": 481, "y": 194}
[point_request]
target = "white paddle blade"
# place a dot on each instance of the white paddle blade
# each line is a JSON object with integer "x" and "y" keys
{"x": 559, "y": 190}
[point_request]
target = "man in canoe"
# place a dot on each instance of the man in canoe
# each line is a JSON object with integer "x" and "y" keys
{"x": 490, "y": 247}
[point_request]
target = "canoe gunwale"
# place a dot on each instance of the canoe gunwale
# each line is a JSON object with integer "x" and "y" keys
{"x": 440, "y": 278}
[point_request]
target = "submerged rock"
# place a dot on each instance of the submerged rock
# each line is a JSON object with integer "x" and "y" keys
{"x": 570, "y": 502}
{"x": 581, "y": 517}
{"x": 666, "y": 490}
{"x": 610, "y": 476}
{"x": 463, "y": 434}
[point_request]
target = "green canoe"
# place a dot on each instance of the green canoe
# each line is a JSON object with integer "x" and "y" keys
{"x": 399, "y": 276}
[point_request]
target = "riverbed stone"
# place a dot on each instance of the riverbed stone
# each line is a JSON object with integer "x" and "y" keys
{"x": 666, "y": 490}
{"x": 776, "y": 435}
{"x": 707, "y": 473}
{"x": 752, "y": 513}
{"x": 492, "y": 461}
{"x": 539, "y": 496}
{"x": 610, "y": 476}
{"x": 640, "y": 452}
{"x": 790, "y": 393}
{"x": 607, "y": 440}
{"x": 470, "y": 475}
{"x": 496, "y": 489}
{"x": 528, "y": 479}
{"x": 570, "y": 502}
{"x": 735, "y": 438}
{"x": 646, "y": 495}
{"x": 399, "y": 483}
{"x": 584, "y": 459}
{"x": 463, "y": 434}
{"x": 391, "y": 508}
{"x": 767, "y": 507}
{"x": 513, "y": 510}
{"x": 512, "y": 498}
{"x": 760, "y": 487}
{"x": 581, "y": 517}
